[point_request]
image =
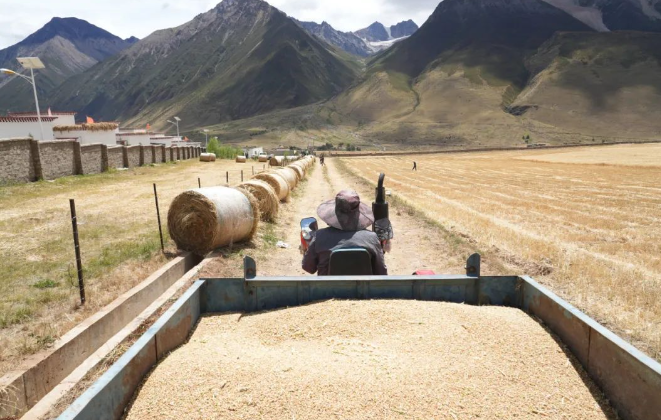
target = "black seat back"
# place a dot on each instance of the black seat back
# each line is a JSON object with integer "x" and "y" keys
{"x": 350, "y": 262}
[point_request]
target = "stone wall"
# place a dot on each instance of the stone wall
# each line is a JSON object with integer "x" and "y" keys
{"x": 132, "y": 156}
{"x": 16, "y": 161}
{"x": 25, "y": 160}
{"x": 91, "y": 159}
{"x": 116, "y": 157}
{"x": 57, "y": 158}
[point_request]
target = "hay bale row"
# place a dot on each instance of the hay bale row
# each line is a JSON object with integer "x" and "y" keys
{"x": 277, "y": 182}
{"x": 290, "y": 175}
{"x": 207, "y": 157}
{"x": 204, "y": 219}
{"x": 267, "y": 200}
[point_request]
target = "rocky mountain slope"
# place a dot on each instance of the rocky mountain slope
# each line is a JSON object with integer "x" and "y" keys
{"x": 67, "y": 46}
{"x": 378, "y": 37}
{"x": 347, "y": 41}
{"x": 614, "y": 15}
{"x": 494, "y": 70}
{"x": 241, "y": 58}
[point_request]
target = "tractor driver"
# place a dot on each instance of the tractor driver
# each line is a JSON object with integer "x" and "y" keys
{"x": 348, "y": 220}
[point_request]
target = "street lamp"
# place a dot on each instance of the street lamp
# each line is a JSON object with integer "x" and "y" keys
{"x": 31, "y": 63}
{"x": 176, "y": 122}
{"x": 206, "y": 137}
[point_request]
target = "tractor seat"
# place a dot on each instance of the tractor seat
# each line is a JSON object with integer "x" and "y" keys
{"x": 350, "y": 262}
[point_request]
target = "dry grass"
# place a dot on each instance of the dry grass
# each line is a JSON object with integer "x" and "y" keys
{"x": 102, "y": 126}
{"x": 590, "y": 231}
{"x": 370, "y": 360}
{"x": 119, "y": 242}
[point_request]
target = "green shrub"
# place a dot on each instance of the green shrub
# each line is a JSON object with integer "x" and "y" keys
{"x": 223, "y": 151}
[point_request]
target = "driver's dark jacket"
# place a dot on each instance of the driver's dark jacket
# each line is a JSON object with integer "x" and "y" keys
{"x": 327, "y": 240}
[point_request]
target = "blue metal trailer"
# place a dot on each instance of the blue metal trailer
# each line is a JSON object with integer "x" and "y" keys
{"x": 631, "y": 380}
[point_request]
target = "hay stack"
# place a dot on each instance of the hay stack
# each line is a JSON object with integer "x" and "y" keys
{"x": 263, "y": 158}
{"x": 277, "y": 161}
{"x": 240, "y": 159}
{"x": 290, "y": 175}
{"x": 267, "y": 200}
{"x": 299, "y": 171}
{"x": 277, "y": 182}
{"x": 207, "y": 157}
{"x": 204, "y": 219}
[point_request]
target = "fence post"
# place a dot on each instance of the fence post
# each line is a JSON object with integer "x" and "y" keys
{"x": 253, "y": 170}
{"x": 241, "y": 175}
{"x": 227, "y": 177}
{"x": 76, "y": 243}
{"x": 158, "y": 216}
{"x": 199, "y": 183}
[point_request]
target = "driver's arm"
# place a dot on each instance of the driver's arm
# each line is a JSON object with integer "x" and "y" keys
{"x": 311, "y": 259}
{"x": 379, "y": 263}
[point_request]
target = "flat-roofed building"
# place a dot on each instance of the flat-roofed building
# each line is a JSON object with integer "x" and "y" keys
{"x": 23, "y": 127}
{"x": 93, "y": 133}
{"x": 134, "y": 138}
{"x": 61, "y": 118}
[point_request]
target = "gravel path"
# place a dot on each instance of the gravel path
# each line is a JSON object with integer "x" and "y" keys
{"x": 370, "y": 360}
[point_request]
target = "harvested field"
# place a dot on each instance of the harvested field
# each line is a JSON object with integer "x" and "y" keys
{"x": 370, "y": 360}
{"x": 588, "y": 230}
{"x": 119, "y": 243}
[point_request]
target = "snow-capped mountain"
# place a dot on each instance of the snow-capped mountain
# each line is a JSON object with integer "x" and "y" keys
{"x": 364, "y": 42}
{"x": 378, "y": 37}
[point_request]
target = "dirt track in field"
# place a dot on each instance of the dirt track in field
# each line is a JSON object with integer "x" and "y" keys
{"x": 417, "y": 244}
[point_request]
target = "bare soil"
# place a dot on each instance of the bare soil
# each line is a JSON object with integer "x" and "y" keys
{"x": 371, "y": 360}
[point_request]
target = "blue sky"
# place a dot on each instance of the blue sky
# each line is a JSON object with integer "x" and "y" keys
{"x": 20, "y": 18}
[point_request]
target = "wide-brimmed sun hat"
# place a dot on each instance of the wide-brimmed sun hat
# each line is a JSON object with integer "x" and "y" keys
{"x": 346, "y": 212}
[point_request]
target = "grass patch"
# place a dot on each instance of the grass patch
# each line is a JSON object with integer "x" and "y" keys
{"x": 46, "y": 284}
{"x": 269, "y": 236}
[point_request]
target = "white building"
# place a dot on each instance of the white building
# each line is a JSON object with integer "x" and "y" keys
{"x": 61, "y": 118}
{"x": 24, "y": 127}
{"x": 94, "y": 133}
{"x": 254, "y": 152}
{"x": 166, "y": 141}
{"x": 134, "y": 138}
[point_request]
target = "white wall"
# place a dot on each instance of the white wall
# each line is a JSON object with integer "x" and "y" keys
{"x": 90, "y": 137}
{"x": 64, "y": 120}
{"x": 25, "y": 129}
{"x": 135, "y": 140}
{"x": 255, "y": 151}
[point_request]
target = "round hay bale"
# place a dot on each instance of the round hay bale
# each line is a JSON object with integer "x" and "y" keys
{"x": 263, "y": 158}
{"x": 207, "y": 157}
{"x": 277, "y": 161}
{"x": 204, "y": 219}
{"x": 299, "y": 171}
{"x": 267, "y": 200}
{"x": 278, "y": 183}
{"x": 290, "y": 175}
{"x": 240, "y": 159}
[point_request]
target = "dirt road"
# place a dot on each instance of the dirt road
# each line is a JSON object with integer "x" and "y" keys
{"x": 417, "y": 244}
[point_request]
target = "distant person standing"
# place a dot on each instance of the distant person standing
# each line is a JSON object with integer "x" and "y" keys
{"x": 415, "y": 166}
{"x": 321, "y": 160}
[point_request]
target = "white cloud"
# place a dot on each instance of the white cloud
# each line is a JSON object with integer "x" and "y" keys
{"x": 125, "y": 18}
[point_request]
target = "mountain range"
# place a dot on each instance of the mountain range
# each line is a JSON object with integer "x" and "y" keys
{"x": 242, "y": 58}
{"x": 476, "y": 72}
{"x": 364, "y": 42}
{"x": 67, "y": 46}
{"x": 493, "y": 70}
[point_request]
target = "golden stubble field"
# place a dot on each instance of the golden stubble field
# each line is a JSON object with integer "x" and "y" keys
{"x": 119, "y": 243}
{"x": 585, "y": 221}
